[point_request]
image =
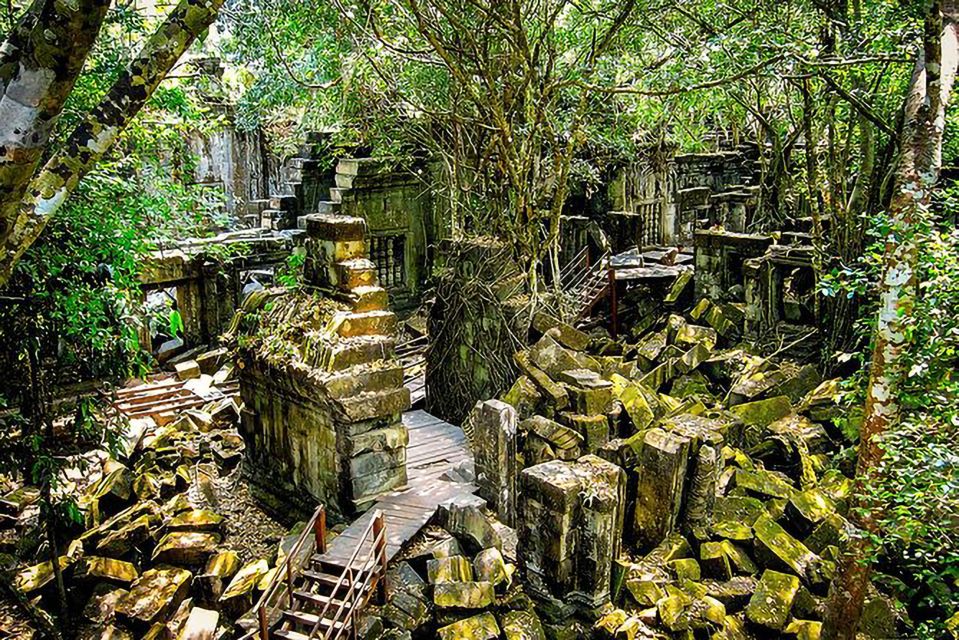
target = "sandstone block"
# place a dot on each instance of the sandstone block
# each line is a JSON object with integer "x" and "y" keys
{"x": 772, "y": 603}
{"x": 153, "y": 597}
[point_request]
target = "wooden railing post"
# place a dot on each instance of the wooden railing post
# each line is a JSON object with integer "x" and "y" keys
{"x": 379, "y": 547}
{"x": 264, "y": 623}
{"x": 319, "y": 529}
{"x": 289, "y": 582}
{"x": 614, "y": 329}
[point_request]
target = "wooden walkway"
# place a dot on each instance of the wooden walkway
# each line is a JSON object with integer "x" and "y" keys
{"x": 435, "y": 448}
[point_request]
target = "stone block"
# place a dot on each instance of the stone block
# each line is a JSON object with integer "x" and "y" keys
{"x": 449, "y": 569}
{"x": 494, "y": 446}
{"x": 479, "y": 627}
{"x": 661, "y": 474}
{"x": 335, "y": 227}
{"x": 522, "y": 625}
{"x": 594, "y": 429}
{"x": 566, "y": 335}
{"x": 763, "y": 412}
{"x": 186, "y": 548}
{"x": 571, "y": 523}
{"x": 463, "y": 517}
{"x": 367, "y": 323}
{"x": 187, "y": 370}
{"x": 550, "y": 356}
{"x": 153, "y": 597}
{"x": 463, "y": 595}
{"x": 561, "y": 439}
{"x": 772, "y": 602}
{"x": 776, "y": 549}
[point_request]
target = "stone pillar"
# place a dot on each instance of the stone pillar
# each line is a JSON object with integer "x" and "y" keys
{"x": 494, "y": 447}
{"x": 570, "y": 530}
{"x": 661, "y": 474}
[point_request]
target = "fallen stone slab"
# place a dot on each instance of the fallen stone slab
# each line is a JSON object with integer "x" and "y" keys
{"x": 153, "y": 597}
{"x": 463, "y": 517}
{"x": 522, "y": 625}
{"x": 449, "y": 569}
{"x": 94, "y": 568}
{"x": 772, "y": 603}
{"x": 186, "y": 548}
{"x": 776, "y": 549}
{"x": 463, "y": 595}
{"x": 480, "y": 627}
{"x": 200, "y": 625}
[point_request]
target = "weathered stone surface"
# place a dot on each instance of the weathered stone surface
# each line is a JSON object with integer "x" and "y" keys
{"x": 806, "y": 629}
{"x": 566, "y": 442}
{"x": 187, "y": 370}
{"x": 521, "y": 625}
{"x": 701, "y": 496}
{"x": 489, "y": 566}
{"x": 771, "y": 604}
{"x": 153, "y": 597}
{"x": 639, "y": 402}
{"x": 763, "y": 412}
{"x": 190, "y": 548}
{"x": 449, "y": 569}
{"x": 661, "y": 474}
{"x": 195, "y": 520}
{"x": 593, "y": 429}
{"x": 39, "y": 575}
{"x": 764, "y": 483}
{"x": 734, "y": 593}
{"x": 480, "y": 627}
{"x": 777, "y": 549}
{"x": 563, "y": 333}
{"x": 238, "y": 596}
{"x": 464, "y": 518}
{"x": 524, "y": 396}
{"x": 547, "y": 354}
{"x": 94, "y": 568}
{"x": 571, "y": 523}
{"x": 494, "y": 445}
{"x": 463, "y": 595}
{"x": 806, "y": 509}
{"x": 200, "y": 625}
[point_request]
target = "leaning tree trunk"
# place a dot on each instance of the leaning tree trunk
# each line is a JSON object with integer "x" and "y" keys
{"x": 90, "y": 140}
{"x": 917, "y": 173}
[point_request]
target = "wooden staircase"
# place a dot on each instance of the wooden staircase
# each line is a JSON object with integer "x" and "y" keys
{"x": 309, "y": 598}
{"x": 584, "y": 283}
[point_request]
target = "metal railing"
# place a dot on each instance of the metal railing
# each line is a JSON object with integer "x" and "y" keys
{"x": 275, "y": 597}
{"x": 359, "y": 582}
{"x": 583, "y": 283}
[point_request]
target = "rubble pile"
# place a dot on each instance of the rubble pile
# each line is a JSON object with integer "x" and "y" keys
{"x": 456, "y": 583}
{"x": 153, "y": 559}
{"x": 733, "y": 509}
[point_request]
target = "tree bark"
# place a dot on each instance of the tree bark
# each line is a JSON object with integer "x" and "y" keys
{"x": 89, "y": 141}
{"x": 39, "y": 64}
{"x": 917, "y": 173}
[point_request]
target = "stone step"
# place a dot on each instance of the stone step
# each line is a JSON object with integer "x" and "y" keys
{"x": 308, "y": 620}
{"x": 328, "y": 207}
{"x": 362, "y": 378}
{"x": 367, "y": 406}
{"x": 369, "y": 298}
{"x": 349, "y": 352}
{"x": 344, "y": 181}
{"x": 336, "y": 194}
{"x": 353, "y": 273}
{"x": 283, "y": 202}
{"x": 367, "y": 323}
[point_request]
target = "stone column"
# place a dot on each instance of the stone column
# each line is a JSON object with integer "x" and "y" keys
{"x": 570, "y": 530}
{"x": 494, "y": 447}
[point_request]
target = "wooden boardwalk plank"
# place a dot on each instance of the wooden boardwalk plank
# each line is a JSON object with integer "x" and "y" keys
{"x": 434, "y": 448}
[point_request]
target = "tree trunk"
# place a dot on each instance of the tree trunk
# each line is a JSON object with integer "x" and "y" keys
{"x": 90, "y": 140}
{"x": 917, "y": 173}
{"x": 42, "y": 58}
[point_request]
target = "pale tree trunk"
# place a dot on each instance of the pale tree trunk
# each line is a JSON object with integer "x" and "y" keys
{"x": 916, "y": 174}
{"x": 90, "y": 140}
{"x": 39, "y": 64}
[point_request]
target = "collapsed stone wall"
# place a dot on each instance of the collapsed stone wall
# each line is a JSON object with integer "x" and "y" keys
{"x": 323, "y": 391}
{"x": 708, "y": 465}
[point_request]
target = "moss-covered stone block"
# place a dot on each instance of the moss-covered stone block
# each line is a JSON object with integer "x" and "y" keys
{"x": 772, "y": 603}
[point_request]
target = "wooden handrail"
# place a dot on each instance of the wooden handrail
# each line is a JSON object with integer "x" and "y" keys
{"x": 355, "y": 597}
{"x": 313, "y": 535}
